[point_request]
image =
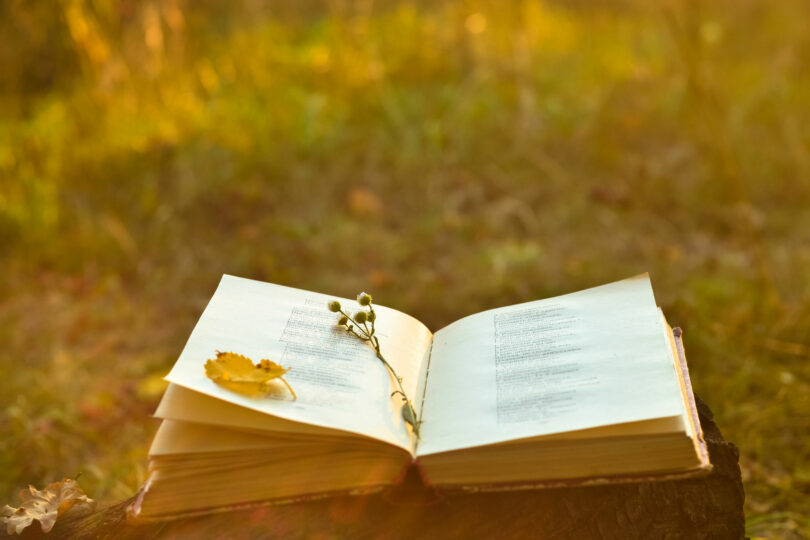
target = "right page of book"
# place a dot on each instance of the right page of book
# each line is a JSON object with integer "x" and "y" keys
{"x": 591, "y": 358}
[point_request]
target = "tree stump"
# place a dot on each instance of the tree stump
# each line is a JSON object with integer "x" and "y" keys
{"x": 710, "y": 507}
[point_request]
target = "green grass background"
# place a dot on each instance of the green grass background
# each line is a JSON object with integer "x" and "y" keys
{"x": 448, "y": 157}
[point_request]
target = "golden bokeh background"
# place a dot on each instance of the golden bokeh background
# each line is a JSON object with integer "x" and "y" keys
{"x": 448, "y": 157}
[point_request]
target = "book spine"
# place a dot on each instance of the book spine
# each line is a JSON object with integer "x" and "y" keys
{"x": 401, "y": 475}
{"x": 422, "y": 473}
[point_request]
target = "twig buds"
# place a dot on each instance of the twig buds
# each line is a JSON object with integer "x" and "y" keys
{"x": 356, "y": 325}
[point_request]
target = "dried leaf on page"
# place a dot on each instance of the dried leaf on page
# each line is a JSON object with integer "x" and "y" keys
{"x": 238, "y": 373}
{"x": 45, "y": 506}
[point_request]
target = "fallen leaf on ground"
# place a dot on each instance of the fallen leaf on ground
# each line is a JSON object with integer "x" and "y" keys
{"x": 45, "y": 506}
{"x": 364, "y": 203}
{"x": 238, "y": 373}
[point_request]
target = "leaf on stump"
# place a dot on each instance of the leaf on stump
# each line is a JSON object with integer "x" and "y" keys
{"x": 238, "y": 373}
{"x": 45, "y": 506}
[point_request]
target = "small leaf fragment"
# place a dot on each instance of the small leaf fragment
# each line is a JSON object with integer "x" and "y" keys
{"x": 408, "y": 413}
{"x": 45, "y": 506}
{"x": 238, "y": 373}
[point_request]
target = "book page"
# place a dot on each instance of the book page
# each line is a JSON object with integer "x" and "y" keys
{"x": 592, "y": 358}
{"x": 338, "y": 379}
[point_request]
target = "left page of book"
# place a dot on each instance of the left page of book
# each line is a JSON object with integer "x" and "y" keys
{"x": 339, "y": 382}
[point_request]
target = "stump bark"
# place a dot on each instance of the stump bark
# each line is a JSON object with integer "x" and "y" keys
{"x": 710, "y": 507}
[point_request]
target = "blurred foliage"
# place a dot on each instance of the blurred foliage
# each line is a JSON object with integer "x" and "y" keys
{"x": 455, "y": 156}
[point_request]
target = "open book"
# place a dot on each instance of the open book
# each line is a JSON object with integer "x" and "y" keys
{"x": 582, "y": 388}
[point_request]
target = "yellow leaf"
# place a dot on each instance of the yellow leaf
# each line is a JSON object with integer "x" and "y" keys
{"x": 238, "y": 373}
{"x": 45, "y": 506}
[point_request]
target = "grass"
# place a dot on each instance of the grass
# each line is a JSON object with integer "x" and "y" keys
{"x": 448, "y": 157}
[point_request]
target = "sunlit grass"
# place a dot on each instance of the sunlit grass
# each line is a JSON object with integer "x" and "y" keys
{"x": 455, "y": 156}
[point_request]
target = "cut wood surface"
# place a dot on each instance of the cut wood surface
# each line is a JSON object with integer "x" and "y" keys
{"x": 707, "y": 507}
